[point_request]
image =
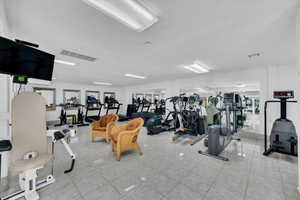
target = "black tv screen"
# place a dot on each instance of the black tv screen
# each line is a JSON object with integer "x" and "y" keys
{"x": 18, "y": 59}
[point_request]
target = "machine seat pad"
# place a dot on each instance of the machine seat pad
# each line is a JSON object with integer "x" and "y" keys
{"x": 5, "y": 145}
{"x": 21, "y": 166}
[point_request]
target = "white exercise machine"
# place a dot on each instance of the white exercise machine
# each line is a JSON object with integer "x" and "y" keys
{"x": 29, "y": 145}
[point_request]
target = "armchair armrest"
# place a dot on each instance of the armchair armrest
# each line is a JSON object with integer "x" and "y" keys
{"x": 110, "y": 126}
{"x": 95, "y": 124}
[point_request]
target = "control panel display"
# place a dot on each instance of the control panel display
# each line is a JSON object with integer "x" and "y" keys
{"x": 283, "y": 94}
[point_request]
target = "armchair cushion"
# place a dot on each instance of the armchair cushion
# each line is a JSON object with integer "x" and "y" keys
{"x": 102, "y": 127}
{"x": 106, "y": 119}
{"x": 134, "y": 124}
{"x": 131, "y": 128}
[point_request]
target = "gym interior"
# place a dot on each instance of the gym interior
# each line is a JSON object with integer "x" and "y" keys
{"x": 149, "y": 99}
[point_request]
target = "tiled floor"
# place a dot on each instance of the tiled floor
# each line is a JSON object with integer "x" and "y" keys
{"x": 169, "y": 171}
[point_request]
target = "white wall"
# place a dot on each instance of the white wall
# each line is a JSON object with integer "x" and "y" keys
{"x": 60, "y": 86}
{"x": 5, "y": 93}
{"x": 298, "y": 81}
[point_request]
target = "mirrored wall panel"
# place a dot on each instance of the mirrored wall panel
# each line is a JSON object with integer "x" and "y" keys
{"x": 71, "y": 97}
{"x": 49, "y": 95}
{"x": 92, "y": 96}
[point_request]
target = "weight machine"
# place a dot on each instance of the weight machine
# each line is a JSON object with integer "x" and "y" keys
{"x": 283, "y": 138}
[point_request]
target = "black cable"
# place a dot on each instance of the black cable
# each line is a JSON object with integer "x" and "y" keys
{"x": 19, "y": 89}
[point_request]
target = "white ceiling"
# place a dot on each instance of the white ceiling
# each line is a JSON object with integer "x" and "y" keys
{"x": 218, "y": 33}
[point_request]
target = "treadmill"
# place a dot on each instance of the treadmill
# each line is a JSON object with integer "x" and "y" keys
{"x": 93, "y": 104}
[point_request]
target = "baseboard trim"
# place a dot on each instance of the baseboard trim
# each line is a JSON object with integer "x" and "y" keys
{"x": 251, "y": 135}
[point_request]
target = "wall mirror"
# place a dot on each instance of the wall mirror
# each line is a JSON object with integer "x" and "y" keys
{"x": 71, "y": 96}
{"x": 139, "y": 96}
{"x": 108, "y": 94}
{"x": 148, "y": 97}
{"x": 92, "y": 95}
{"x": 49, "y": 95}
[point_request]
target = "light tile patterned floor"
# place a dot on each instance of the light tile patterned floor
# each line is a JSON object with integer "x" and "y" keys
{"x": 169, "y": 171}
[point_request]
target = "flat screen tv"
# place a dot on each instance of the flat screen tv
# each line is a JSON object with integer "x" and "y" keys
{"x": 18, "y": 59}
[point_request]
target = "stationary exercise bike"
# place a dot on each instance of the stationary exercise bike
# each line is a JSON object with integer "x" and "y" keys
{"x": 283, "y": 138}
{"x": 157, "y": 124}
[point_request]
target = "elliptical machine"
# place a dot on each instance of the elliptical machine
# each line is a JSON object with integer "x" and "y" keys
{"x": 283, "y": 138}
{"x": 220, "y": 136}
{"x": 157, "y": 124}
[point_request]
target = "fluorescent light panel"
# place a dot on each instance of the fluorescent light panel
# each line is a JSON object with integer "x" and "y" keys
{"x": 34, "y": 81}
{"x": 197, "y": 68}
{"x": 102, "y": 83}
{"x": 241, "y": 85}
{"x": 135, "y": 76}
{"x": 200, "y": 90}
{"x": 64, "y": 62}
{"x": 128, "y": 12}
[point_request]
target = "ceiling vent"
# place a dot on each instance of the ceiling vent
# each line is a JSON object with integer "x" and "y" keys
{"x": 77, "y": 55}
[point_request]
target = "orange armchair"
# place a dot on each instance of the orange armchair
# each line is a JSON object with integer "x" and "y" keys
{"x": 102, "y": 127}
{"x": 125, "y": 137}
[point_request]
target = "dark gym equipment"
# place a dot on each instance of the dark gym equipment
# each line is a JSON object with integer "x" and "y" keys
{"x": 144, "y": 111}
{"x": 63, "y": 116}
{"x": 79, "y": 121}
{"x": 192, "y": 122}
{"x": 112, "y": 104}
{"x": 160, "y": 107}
{"x": 93, "y": 104}
{"x": 156, "y": 124}
{"x": 283, "y": 138}
{"x": 80, "y": 117}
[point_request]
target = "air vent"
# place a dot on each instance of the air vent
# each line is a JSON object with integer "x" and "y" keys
{"x": 77, "y": 55}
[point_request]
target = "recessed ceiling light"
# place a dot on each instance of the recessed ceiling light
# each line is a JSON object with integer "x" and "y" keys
{"x": 102, "y": 83}
{"x": 64, "y": 62}
{"x": 147, "y": 43}
{"x": 240, "y": 85}
{"x": 200, "y": 89}
{"x": 197, "y": 67}
{"x": 135, "y": 76}
{"x": 128, "y": 12}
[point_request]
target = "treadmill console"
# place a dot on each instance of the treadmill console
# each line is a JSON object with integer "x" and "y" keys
{"x": 283, "y": 94}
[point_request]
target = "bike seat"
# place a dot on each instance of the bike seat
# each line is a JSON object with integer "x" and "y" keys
{"x": 58, "y": 135}
{"x": 5, "y": 145}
